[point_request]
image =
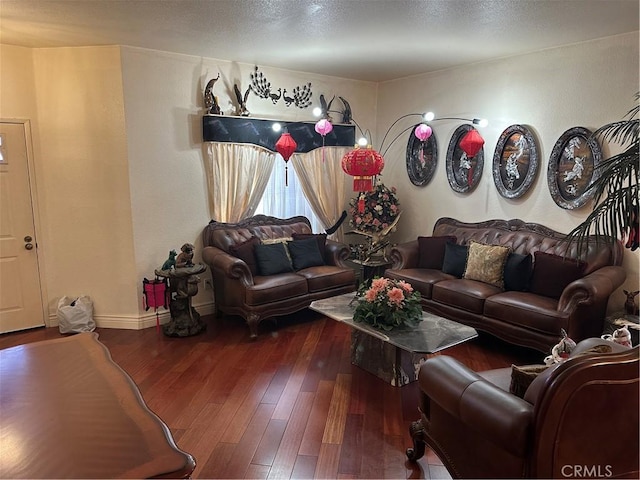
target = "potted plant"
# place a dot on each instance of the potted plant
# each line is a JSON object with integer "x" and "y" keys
{"x": 615, "y": 213}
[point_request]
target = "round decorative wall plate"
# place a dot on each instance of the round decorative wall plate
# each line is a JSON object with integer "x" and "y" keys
{"x": 463, "y": 173}
{"x": 422, "y": 158}
{"x": 573, "y": 167}
{"x": 515, "y": 161}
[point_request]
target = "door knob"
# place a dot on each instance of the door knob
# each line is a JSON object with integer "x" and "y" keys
{"x": 28, "y": 238}
{"x": 28, "y": 246}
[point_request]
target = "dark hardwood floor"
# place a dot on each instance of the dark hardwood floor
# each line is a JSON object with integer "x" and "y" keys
{"x": 287, "y": 405}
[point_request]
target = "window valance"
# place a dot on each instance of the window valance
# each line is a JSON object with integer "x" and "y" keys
{"x": 257, "y": 131}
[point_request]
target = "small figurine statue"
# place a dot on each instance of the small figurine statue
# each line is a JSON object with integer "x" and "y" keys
{"x": 185, "y": 259}
{"x": 170, "y": 263}
{"x": 241, "y": 107}
{"x": 622, "y": 336}
{"x": 210, "y": 100}
{"x": 630, "y": 306}
{"x": 561, "y": 351}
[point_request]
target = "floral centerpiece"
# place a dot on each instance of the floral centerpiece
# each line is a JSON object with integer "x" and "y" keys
{"x": 387, "y": 304}
{"x": 375, "y": 214}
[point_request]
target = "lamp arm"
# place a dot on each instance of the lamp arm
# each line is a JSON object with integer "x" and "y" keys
{"x": 363, "y": 133}
{"x": 475, "y": 121}
{"x": 394, "y": 140}
{"x": 392, "y": 125}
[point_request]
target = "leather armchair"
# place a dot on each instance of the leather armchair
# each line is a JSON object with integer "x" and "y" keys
{"x": 577, "y": 419}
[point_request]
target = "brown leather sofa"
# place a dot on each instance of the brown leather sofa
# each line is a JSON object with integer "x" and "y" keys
{"x": 240, "y": 290}
{"x": 520, "y": 316}
{"x": 578, "y": 419}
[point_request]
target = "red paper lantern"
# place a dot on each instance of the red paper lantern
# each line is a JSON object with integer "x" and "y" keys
{"x": 471, "y": 143}
{"x": 285, "y": 146}
{"x": 362, "y": 165}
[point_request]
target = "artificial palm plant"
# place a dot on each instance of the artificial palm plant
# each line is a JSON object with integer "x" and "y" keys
{"x": 615, "y": 214}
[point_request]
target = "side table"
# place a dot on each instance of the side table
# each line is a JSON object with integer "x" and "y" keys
{"x": 183, "y": 285}
{"x": 367, "y": 270}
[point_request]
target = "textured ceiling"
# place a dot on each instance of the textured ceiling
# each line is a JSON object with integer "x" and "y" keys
{"x": 374, "y": 40}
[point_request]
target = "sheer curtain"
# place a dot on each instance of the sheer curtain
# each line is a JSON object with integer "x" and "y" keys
{"x": 323, "y": 183}
{"x": 237, "y": 175}
{"x": 285, "y": 201}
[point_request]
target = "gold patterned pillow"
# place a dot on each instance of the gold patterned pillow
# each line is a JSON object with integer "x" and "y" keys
{"x": 485, "y": 263}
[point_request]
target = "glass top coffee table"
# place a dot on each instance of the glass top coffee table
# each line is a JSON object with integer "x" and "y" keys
{"x": 396, "y": 355}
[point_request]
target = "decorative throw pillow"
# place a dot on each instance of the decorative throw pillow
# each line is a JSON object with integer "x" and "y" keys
{"x": 272, "y": 259}
{"x": 552, "y": 273}
{"x": 245, "y": 252}
{"x": 455, "y": 259}
{"x": 485, "y": 263}
{"x": 321, "y": 238}
{"x": 521, "y": 377}
{"x": 270, "y": 241}
{"x": 305, "y": 253}
{"x": 517, "y": 272}
{"x": 431, "y": 251}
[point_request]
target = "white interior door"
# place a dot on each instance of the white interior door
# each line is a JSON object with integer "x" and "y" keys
{"x": 20, "y": 299}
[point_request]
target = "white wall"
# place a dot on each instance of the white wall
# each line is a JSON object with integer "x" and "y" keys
{"x": 587, "y": 85}
{"x": 85, "y": 181}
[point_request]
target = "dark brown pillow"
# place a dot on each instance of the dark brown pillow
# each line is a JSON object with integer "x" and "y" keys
{"x": 431, "y": 251}
{"x": 245, "y": 252}
{"x": 521, "y": 378}
{"x": 552, "y": 273}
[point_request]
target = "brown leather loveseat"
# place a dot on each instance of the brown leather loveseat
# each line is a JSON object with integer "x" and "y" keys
{"x": 544, "y": 285}
{"x": 242, "y": 280}
{"x": 576, "y": 419}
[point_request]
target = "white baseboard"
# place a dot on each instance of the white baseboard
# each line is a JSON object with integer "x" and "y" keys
{"x": 131, "y": 322}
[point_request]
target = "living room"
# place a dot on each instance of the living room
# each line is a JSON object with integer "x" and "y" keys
{"x": 118, "y": 160}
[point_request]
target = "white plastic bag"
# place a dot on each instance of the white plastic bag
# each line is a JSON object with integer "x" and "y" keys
{"x": 75, "y": 315}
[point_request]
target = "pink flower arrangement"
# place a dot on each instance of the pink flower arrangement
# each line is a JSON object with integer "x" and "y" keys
{"x": 387, "y": 304}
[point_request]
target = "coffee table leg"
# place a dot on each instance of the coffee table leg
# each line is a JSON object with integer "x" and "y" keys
{"x": 387, "y": 362}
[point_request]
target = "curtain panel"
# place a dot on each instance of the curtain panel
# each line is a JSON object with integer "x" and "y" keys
{"x": 238, "y": 173}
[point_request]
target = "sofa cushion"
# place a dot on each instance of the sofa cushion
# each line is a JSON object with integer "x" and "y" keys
{"x": 469, "y": 295}
{"x": 485, "y": 263}
{"x": 305, "y": 253}
{"x": 517, "y": 272}
{"x": 455, "y": 259}
{"x": 552, "y": 273}
{"x": 326, "y": 277}
{"x": 527, "y": 310}
{"x": 274, "y": 288}
{"x": 272, "y": 259}
{"x": 431, "y": 251}
{"x": 421, "y": 279}
{"x": 245, "y": 251}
